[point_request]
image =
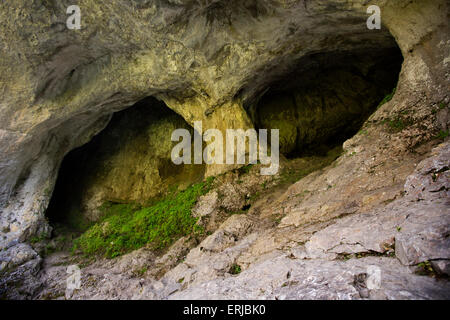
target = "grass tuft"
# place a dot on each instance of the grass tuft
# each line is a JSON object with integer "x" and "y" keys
{"x": 442, "y": 135}
{"x": 387, "y": 98}
{"x": 235, "y": 269}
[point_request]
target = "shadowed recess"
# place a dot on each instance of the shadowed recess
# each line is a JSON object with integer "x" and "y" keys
{"x": 326, "y": 98}
{"x": 128, "y": 162}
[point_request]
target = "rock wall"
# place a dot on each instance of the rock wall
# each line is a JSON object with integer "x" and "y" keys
{"x": 205, "y": 60}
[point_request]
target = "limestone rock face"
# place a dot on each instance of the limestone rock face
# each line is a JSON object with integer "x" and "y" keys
{"x": 417, "y": 225}
{"x": 278, "y": 264}
{"x": 290, "y": 279}
{"x": 19, "y": 264}
{"x": 212, "y": 61}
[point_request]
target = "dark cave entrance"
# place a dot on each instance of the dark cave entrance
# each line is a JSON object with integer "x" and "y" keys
{"x": 326, "y": 98}
{"x": 127, "y": 162}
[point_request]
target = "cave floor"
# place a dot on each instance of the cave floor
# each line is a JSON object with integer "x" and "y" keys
{"x": 320, "y": 219}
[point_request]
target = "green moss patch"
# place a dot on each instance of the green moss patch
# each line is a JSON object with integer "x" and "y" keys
{"x": 127, "y": 227}
{"x": 235, "y": 269}
{"x": 442, "y": 134}
{"x": 398, "y": 124}
{"x": 387, "y": 98}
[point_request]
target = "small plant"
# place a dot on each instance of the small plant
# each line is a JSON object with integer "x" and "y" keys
{"x": 363, "y": 132}
{"x": 35, "y": 240}
{"x": 397, "y": 125}
{"x": 277, "y": 218}
{"x": 345, "y": 256}
{"x": 49, "y": 249}
{"x": 235, "y": 269}
{"x": 425, "y": 269}
{"x": 39, "y": 238}
{"x": 442, "y": 135}
{"x": 141, "y": 272}
{"x": 254, "y": 196}
{"x": 245, "y": 169}
{"x": 387, "y": 98}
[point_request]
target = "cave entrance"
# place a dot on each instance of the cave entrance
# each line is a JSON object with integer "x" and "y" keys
{"x": 128, "y": 162}
{"x": 320, "y": 104}
{"x": 326, "y": 98}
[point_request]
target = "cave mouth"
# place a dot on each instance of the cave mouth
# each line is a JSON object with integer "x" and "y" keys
{"x": 129, "y": 161}
{"x": 326, "y": 98}
{"x": 322, "y": 102}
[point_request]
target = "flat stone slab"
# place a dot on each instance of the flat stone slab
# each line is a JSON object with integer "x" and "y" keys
{"x": 287, "y": 278}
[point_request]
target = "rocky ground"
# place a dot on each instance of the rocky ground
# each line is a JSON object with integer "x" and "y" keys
{"x": 291, "y": 243}
{"x": 371, "y": 223}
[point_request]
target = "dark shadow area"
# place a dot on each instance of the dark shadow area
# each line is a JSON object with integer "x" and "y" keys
{"x": 326, "y": 98}
{"x": 128, "y": 162}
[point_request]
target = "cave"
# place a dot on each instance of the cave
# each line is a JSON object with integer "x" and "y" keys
{"x": 359, "y": 206}
{"x": 127, "y": 162}
{"x": 317, "y": 106}
{"x": 326, "y": 98}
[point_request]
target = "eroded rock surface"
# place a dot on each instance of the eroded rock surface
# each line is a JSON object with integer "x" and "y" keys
{"x": 285, "y": 278}
{"x": 212, "y": 61}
